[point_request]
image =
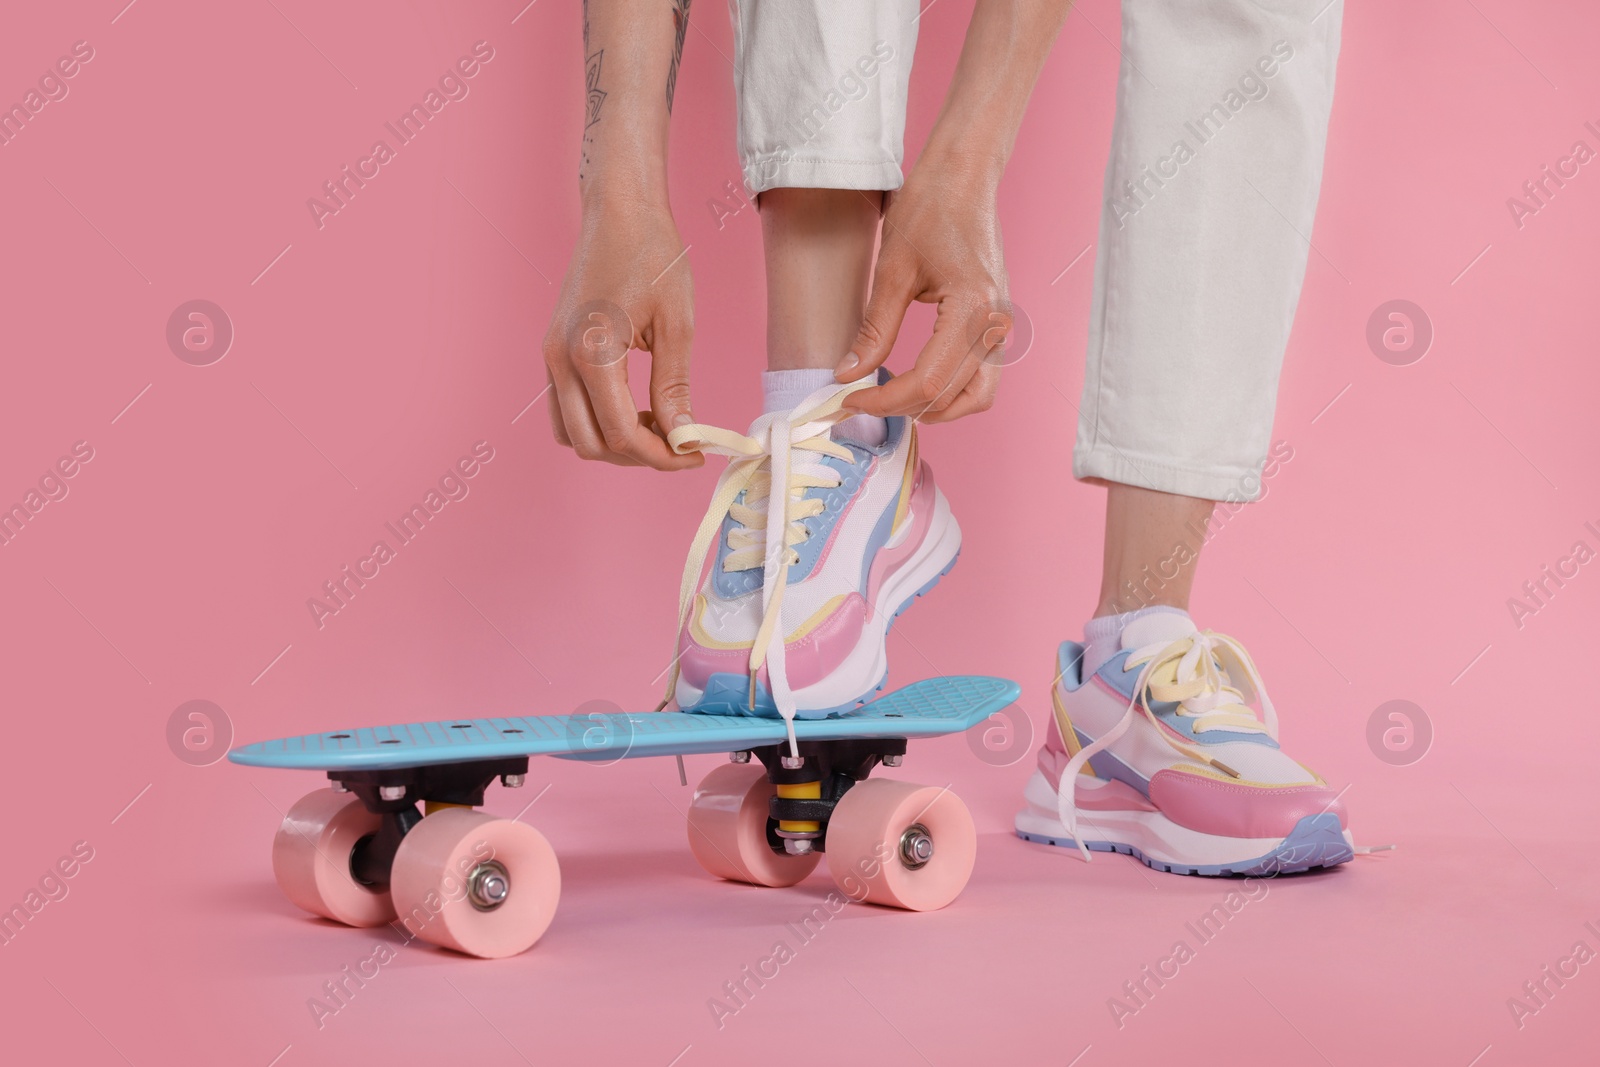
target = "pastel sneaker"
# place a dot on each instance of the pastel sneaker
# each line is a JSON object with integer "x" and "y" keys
{"x": 1159, "y": 755}
{"x": 811, "y": 547}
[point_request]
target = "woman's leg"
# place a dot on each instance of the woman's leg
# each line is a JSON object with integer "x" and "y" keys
{"x": 821, "y": 107}
{"x": 1153, "y": 542}
{"x": 819, "y": 245}
{"x": 821, "y": 91}
{"x": 1210, "y": 193}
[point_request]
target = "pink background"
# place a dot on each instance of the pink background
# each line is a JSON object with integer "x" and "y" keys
{"x": 373, "y": 352}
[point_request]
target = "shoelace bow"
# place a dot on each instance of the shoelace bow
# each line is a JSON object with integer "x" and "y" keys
{"x": 767, "y": 525}
{"x": 1195, "y": 672}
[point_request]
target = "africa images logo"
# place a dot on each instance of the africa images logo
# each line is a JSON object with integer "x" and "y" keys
{"x": 454, "y": 85}
{"x": 1138, "y": 192}
{"x": 452, "y": 487}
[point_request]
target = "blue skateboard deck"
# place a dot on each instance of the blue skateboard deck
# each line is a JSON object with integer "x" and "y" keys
{"x": 929, "y": 708}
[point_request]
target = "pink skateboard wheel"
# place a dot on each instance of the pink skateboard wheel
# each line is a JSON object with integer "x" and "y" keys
{"x": 468, "y": 881}
{"x": 311, "y": 859}
{"x": 908, "y": 846}
{"x": 728, "y": 829}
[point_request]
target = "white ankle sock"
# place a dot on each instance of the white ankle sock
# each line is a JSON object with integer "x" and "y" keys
{"x": 1102, "y": 635}
{"x": 781, "y": 390}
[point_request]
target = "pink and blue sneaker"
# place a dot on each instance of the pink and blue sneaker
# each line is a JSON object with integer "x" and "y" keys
{"x": 812, "y": 545}
{"x": 1159, "y": 755}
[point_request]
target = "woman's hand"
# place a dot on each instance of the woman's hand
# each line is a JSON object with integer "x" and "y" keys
{"x": 628, "y": 286}
{"x": 941, "y": 245}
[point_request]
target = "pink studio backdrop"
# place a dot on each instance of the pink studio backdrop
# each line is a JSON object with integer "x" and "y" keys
{"x": 371, "y": 352}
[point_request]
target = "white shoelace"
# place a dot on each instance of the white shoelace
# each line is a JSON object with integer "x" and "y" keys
{"x": 767, "y": 525}
{"x": 1197, "y": 673}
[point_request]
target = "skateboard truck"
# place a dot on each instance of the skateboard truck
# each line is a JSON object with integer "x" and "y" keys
{"x": 392, "y": 795}
{"x": 809, "y": 785}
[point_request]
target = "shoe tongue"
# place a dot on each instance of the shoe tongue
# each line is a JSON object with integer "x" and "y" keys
{"x": 868, "y": 431}
{"x": 1157, "y": 627}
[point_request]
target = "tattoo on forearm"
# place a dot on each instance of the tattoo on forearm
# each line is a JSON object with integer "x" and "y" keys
{"x": 680, "y": 24}
{"x": 585, "y": 27}
{"x": 596, "y": 97}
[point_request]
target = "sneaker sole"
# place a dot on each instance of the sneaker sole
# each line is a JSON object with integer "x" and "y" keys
{"x": 1315, "y": 842}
